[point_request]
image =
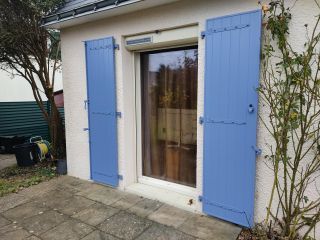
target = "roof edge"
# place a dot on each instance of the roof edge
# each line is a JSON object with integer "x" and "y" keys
{"x": 84, "y": 10}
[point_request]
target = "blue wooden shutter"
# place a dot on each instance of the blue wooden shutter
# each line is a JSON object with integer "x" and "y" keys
{"x": 230, "y": 116}
{"x": 102, "y": 110}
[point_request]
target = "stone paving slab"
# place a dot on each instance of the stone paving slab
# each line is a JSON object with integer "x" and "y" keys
{"x": 125, "y": 225}
{"x": 98, "y": 235}
{"x": 11, "y": 201}
{"x": 145, "y": 207}
{"x": 17, "y": 234}
{"x": 41, "y": 223}
{"x": 27, "y": 210}
{"x": 209, "y": 228}
{"x": 69, "y": 230}
{"x": 95, "y": 214}
{"x": 170, "y": 216}
{"x": 70, "y": 208}
{"x": 4, "y": 221}
{"x": 160, "y": 232}
{"x": 127, "y": 201}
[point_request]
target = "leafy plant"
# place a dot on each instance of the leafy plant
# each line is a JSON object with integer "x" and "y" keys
{"x": 33, "y": 52}
{"x": 13, "y": 179}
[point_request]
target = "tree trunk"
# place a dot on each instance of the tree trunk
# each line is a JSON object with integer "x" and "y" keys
{"x": 57, "y": 132}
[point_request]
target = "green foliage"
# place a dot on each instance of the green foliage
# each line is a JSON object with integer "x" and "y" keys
{"x": 45, "y": 7}
{"x": 33, "y": 52}
{"x": 13, "y": 179}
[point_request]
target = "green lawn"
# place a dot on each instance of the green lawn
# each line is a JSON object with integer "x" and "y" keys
{"x": 13, "y": 179}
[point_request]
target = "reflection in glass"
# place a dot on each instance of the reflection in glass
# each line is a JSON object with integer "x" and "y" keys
{"x": 169, "y": 115}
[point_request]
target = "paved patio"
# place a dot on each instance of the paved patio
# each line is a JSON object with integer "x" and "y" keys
{"x": 7, "y": 160}
{"x": 69, "y": 208}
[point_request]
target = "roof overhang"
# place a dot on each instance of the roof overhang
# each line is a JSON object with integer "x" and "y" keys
{"x": 98, "y": 10}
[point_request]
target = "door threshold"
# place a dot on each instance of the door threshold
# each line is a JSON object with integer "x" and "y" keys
{"x": 177, "y": 199}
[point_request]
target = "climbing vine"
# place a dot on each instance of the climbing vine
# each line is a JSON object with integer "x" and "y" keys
{"x": 290, "y": 91}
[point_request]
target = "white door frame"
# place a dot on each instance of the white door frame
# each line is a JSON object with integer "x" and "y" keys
{"x": 178, "y": 188}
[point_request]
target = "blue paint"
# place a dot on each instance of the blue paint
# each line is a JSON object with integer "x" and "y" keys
{"x": 231, "y": 78}
{"x": 102, "y": 110}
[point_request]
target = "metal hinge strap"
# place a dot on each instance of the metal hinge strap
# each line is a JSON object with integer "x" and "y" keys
{"x": 118, "y": 114}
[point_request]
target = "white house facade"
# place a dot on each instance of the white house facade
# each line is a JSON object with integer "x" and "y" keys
{"x": 16, "y": 89}
{"x": 160, "y": 100}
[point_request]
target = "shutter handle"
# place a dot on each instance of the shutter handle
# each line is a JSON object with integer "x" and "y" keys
{"x": 251, "y": 108}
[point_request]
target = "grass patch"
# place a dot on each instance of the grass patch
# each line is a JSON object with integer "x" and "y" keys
{"x": 14, "y": 179}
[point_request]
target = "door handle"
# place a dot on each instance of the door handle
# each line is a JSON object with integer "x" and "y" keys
{"x": 251, "y": 108}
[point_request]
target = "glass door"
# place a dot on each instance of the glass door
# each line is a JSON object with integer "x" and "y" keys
{"x": 169, "y": 115}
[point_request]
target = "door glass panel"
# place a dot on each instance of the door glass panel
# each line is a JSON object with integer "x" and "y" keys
{"x": 169, "y": 115}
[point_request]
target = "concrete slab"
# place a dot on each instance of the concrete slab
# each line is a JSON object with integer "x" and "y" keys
{"x": 70, "y": 208}
{"x": 15, "y": 235}
{"x": 24, "y": 211}
{"x": 209, "y": 228}
{"x": 43, "y": 222}
{"x": 32, "y": 238}
{"x": 145, "y": 207}
{"x": 73, "y": 205}
{"x": 54, "y": 199}
{"x": 127, "y": 201}
{"x": 69, "y": 230}
{"x": 95, "y": 214}
{"x": 170, "y": 216}
{"x": 9, "y": 228}
{"x": 12, "y": 200}
{"x": 39, "y": 190}
{"x": 125, "y": 225}
{"x": 160, "y": 232}
{"x": 4, "y": 221}
{"x": 103, "y": 195}
{"x": 98, "y": 235}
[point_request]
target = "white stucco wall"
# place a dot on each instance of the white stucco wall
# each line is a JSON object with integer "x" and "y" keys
{"x": 167, "y": 16}
{"x": 14, "y": 88}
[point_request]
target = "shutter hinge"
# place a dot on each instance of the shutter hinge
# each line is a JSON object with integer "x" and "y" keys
{"x": 118, "y": 114}
{"x": 257, "y": 150}
{"x": 86, "y": 129}
{"x": 120, "y": 177}
{"x": 117, "y": 46}
{"x": 203, "y": 34}
{"x": 200, "y": 198}
{"x": 86, "y": 102}
{"x": 201, "y": 120}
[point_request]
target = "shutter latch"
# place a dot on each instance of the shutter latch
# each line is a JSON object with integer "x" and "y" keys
{"x": 201, "y": 120}
{"x": 257, "y": 150}
{"x": 86, "y": 129}
{"x": 203, "y": 34}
